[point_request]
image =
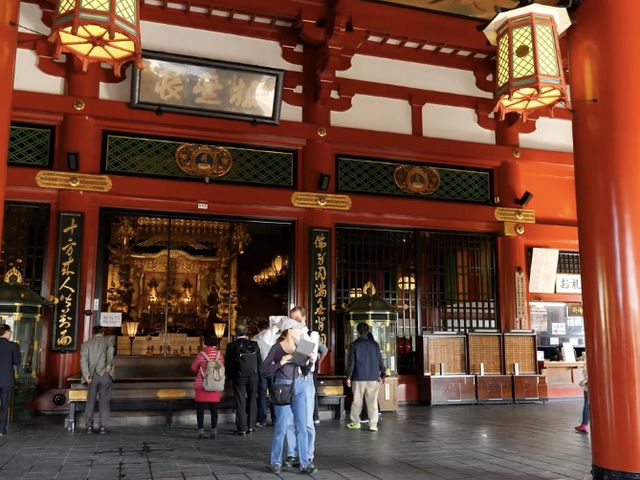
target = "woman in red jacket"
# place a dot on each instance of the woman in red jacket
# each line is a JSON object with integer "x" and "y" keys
{"x": 203, "y": 397}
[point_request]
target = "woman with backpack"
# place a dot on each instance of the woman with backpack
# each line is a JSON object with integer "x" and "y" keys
{"x": 205, "y": 398}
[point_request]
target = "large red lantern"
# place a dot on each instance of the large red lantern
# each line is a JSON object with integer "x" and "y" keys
{"x": 529, "y": 75}
{"x": 106, "y": 31}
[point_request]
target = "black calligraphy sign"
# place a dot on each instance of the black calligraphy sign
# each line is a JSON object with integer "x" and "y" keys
{"x": 176, "y": 83}
{"x": 65, "y": 319}
{"x": 320, "y": 282}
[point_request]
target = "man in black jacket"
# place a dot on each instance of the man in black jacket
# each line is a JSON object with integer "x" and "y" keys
{"x": 365, "y": 372}
{"x": 9, "y": 357}
{"x": 242, "y": 363}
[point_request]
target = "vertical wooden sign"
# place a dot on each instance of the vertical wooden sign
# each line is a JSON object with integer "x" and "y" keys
{"x": 69, "y": 251}
{"x": 320, "y": 239}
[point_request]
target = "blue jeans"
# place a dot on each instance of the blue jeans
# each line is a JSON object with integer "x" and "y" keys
{"x": 309, "y": 388}
{"x": 585, "y": 409}
{"x": 295, "y": 413}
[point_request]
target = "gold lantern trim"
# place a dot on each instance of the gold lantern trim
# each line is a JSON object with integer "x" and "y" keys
{"x": 105, "y": 31}
{"x": 529, "y": 76}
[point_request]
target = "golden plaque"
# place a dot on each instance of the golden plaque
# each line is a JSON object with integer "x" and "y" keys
{"x": 73, "y": 181}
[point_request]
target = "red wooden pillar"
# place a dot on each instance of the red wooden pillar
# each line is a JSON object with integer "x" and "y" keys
{"x": 78, "y": 133}
{"x": 8, "y": 39}
{"x": 607, "y": 171}
{"x": 511, "y": 250}
{"x": 317, "y": 159}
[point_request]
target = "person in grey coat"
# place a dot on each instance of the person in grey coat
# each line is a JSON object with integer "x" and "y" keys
{"x": 96, "y": 361}
{"x": 9, "y": 358}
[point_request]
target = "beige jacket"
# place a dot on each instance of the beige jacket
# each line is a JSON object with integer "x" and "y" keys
{"x": 96, "y": 355}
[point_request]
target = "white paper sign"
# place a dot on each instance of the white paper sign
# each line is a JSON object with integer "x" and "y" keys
{"x": 568, "y": 353}
{"x": 558, "y": 328}
{"x": 110, "y": 319}
{"x": 544, "y": 265}
{"x": 568, "y": 283}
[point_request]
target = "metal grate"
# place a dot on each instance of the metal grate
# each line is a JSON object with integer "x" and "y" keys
{"x": 452, "y": 274}
{"x": 381, "y": 257}
{"x": 24, "y": 238}
{"x": 376, "y": 176}
{"x": 145, "y": 156}
{"x": 31, "y": 145}
{"x": 460, "y": 292}
{"x": 569, "y": 262}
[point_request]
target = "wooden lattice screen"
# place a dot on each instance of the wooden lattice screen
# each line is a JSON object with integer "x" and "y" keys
{"x": 449, "y": 349}
{"x": 485, "y": 348}
{"x": 520, "y": 349}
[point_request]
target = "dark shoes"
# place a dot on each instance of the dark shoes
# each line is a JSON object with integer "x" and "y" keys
{"x": 292, "y": 462}
{"x": 103, "y": 431}
{"x": 89, "y": 430}
{"x": 275, "y": 468}
{"x": 240, "y": 434}
{"x": 309, "y": 469}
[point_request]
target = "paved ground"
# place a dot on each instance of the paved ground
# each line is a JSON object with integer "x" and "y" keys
{"x": 510, "y": 442}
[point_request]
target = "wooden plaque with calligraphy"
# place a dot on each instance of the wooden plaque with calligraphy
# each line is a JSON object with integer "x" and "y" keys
{"x": 320, "y": 276}
{"x": 175, "y": 83}
{"x": 69, "y": 254}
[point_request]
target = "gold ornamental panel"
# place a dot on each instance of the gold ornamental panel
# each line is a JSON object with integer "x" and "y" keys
{"x": 73, "y": 181}
{"x": 321, "y": 200}
{"x": 515, "y": 215}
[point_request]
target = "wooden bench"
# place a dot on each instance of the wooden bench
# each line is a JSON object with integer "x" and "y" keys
{"x": 145, "y": 383}
{"x": 167, "y": 399}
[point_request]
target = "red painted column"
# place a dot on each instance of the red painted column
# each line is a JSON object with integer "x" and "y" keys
{"x": 607, "y": 171}
{"x": 79, "y": 133}
{"x": 8, "y": 41}
{"x": 317, "y": 159}
{"x": 511, "y": 250}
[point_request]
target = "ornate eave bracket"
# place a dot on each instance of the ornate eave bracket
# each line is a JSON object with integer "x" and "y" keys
{"x": 321, "y": 200}
{"x": 514, "y": 219}
{"x": 73, "y": 181}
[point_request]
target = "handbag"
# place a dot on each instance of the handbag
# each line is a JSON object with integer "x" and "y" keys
{"x": 281, "y": 393}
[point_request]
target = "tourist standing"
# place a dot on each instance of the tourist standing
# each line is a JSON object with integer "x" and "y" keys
{"x": 96, "y": 362}
{"x": 278, "y": 364}
{"x": 265, "y": 338}
{"x": 365, "y": 372}
{"x": 9, "y": 358}
{"x": 205, "y": 398}
{"x": 242, "y": 365}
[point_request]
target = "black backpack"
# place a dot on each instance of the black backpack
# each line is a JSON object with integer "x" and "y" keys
{"x": 247, "y": 358}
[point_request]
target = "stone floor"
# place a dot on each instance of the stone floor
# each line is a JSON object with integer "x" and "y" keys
{"x": 510, "y": 442}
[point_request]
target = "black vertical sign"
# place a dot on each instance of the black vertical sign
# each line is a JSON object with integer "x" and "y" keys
{"x": 69, "y": 250}
{"x": 320, "y": 239}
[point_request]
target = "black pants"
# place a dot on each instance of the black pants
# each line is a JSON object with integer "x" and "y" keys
{"x": 315, "y": 400}
{"x": 213, "y": 408}
{"x": 5, "y": 399}
{"x": 245, "y": 391}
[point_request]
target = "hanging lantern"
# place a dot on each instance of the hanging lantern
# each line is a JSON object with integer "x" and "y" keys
{"x": 98, "y": 31}
{"x": 529, "y": 74}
